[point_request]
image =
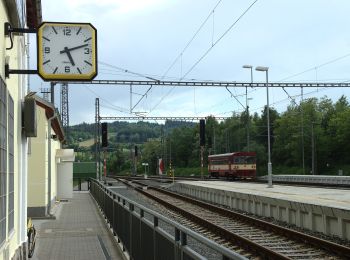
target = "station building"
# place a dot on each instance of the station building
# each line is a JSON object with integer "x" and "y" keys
{"x": 13, "y": 140}
{"x": 44, "y": 156}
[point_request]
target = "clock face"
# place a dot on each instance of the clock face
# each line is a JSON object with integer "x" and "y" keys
{"x": 67, "y": 51}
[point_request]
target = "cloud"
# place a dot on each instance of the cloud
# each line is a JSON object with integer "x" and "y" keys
{"x": 145, "y": 36}
{"x": 100, "y": 9}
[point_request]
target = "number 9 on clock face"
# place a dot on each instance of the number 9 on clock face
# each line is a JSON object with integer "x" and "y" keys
{"x": 67, "y": 51}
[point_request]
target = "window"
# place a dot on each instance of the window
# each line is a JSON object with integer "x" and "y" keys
{"x": 3, "y": 160}
{"x": 217, "y": 162}
{"x": 244, "y": 160}
{"x": 11, "y": 215}
{"x": 250, "y": 160}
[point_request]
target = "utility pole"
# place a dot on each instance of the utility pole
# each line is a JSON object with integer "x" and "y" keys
{"x": 246, "y": 103}
{"x": 214, "y": 141}
{"x": 52, "y": 84}
{"x": 313, "y": 149}
{"x": 302, "y": 129}
{"x": 97, "y": 137}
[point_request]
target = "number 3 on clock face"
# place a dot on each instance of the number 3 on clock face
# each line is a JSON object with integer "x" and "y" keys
{"x": 67, "y": 51}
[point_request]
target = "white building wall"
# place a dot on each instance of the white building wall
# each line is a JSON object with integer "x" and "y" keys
{"x": 16, "y": 88}
{"x": 38, "y": 191}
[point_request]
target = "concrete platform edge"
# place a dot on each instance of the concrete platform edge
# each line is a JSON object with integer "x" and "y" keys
{"x": 327, "y": 220}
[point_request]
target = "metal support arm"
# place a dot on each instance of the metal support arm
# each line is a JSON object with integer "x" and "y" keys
{"x": 8, "y": 71}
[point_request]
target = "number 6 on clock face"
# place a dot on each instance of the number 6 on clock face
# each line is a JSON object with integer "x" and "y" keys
{"x": 67, "y": 51}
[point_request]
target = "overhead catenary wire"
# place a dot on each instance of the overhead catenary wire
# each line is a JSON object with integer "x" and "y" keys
{"x": 316, "y": 67}
{"x": 117, "y": 108}
{"x": 235, "y": 97}
{"x": 294, "y": 75}
{"x": 311, "y": 69}
{"x": 207, "y": 51}
{"x": 219, "y": 39}
{"x": 180, "y": 56}
{"x": 191, "y": 40}
{"x": 308, "y": 70}
{"x": 127, "y": 71}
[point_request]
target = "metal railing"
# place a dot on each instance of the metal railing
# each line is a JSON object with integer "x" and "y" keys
{"x": 81, "y": 184}
{"x": 142, "y": 235}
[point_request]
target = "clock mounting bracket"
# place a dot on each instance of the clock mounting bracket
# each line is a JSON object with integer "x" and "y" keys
{"x": 9, "y": 30}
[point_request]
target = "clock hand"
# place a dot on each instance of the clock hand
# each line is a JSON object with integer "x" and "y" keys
{"x": 66, "y": 50}
{"x": 74, "y": 48}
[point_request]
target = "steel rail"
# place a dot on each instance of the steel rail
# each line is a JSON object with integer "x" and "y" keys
{"x": 320, "y": 243}
{"x": 241, "y": 241}
{"x": 337, "y": 249}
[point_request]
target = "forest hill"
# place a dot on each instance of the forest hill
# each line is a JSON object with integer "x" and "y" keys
{"x": 321, "y": 121}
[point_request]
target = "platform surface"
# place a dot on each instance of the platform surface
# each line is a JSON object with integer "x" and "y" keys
{"x": 332, "y": 197}
{"x": 78, "y": 232}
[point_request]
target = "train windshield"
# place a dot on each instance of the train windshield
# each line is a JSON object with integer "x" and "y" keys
{"x": 244, "y": 160}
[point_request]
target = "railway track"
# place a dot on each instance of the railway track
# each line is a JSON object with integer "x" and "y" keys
{"x": 193, "y": 178}
{"x": 248, "y": 236}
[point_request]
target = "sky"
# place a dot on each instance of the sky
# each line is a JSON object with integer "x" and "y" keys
{"x": 148, "y": 36}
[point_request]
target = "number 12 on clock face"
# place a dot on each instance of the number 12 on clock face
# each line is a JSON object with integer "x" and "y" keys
{"x": 67, "y": 51}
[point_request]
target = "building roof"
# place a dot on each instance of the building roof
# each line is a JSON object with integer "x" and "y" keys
{"x": 33, "y": 12}
{"x": 50, "y": 111}
{"x": 34, "y": 15}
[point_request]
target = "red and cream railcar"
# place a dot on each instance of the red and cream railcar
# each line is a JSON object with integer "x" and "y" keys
{"x": 234, "y": 165}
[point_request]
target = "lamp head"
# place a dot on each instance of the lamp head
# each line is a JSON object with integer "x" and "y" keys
{"x": 260, "y": 68}
{"x": 247, "y": 66}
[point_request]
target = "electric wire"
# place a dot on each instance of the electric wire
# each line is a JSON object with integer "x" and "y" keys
{"x": 316, "y": 67}
{"x": 311, "y": 69}
{"x": 117, "y": 108}
{"x": 289, "y": 96}
{"x": 127, "y": 71}
{"x": 184, "y": 49}
{"x": 220, "y": 38}
{"x": 191, "y": 40}
{"x": 235, "y": 97}
{"x": 206, "y": 52}
{"x": 308, "y": 70}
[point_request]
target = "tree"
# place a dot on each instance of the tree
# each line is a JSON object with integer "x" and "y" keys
{"x": 150, "y": 153}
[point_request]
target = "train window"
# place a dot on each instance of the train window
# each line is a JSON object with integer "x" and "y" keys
{"x": 244, "y": 160}
{"x": 218, "y": 162}
{"x": 250, "y": 160}
{"x": 238, "y": 159}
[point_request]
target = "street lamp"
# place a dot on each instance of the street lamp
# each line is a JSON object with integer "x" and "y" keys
{"x": 269, "y": 164}
{"x": 246, "y": 100}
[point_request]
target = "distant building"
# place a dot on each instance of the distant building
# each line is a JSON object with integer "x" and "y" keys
{"x": 13, "y": 141}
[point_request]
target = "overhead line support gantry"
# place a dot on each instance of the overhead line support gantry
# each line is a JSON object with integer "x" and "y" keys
{"x": 214, "y": 84}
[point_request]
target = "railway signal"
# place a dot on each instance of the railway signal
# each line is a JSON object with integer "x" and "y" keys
{"x": 104, "y": 135}
{"x": 202, "y": 141}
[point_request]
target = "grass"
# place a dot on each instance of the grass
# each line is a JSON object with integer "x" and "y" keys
{"x": 87, "y": 143}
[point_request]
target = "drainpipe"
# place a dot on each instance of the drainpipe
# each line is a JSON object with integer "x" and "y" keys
{"x": 49, "y": 162}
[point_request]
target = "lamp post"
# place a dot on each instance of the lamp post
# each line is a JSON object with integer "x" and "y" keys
{"x": 269, "y": 164}
{"x": 246, "y": 101}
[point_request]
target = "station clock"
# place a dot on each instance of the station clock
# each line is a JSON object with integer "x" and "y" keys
{"x": 67, "y": 51}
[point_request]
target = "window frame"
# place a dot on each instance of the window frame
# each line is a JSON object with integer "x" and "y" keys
{"x": 3, "y": 161}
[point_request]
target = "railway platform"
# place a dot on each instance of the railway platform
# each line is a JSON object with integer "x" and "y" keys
{"x": 317, "y": 209}
{"x": 78, "y": 232}
{"x": 311, "y": 179}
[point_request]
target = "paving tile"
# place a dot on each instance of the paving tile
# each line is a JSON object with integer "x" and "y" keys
{"x": 76, "y": 233}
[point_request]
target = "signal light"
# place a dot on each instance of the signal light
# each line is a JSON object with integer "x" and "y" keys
{"x": 104, "y": 135}
{"x": 202, "y": 132}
